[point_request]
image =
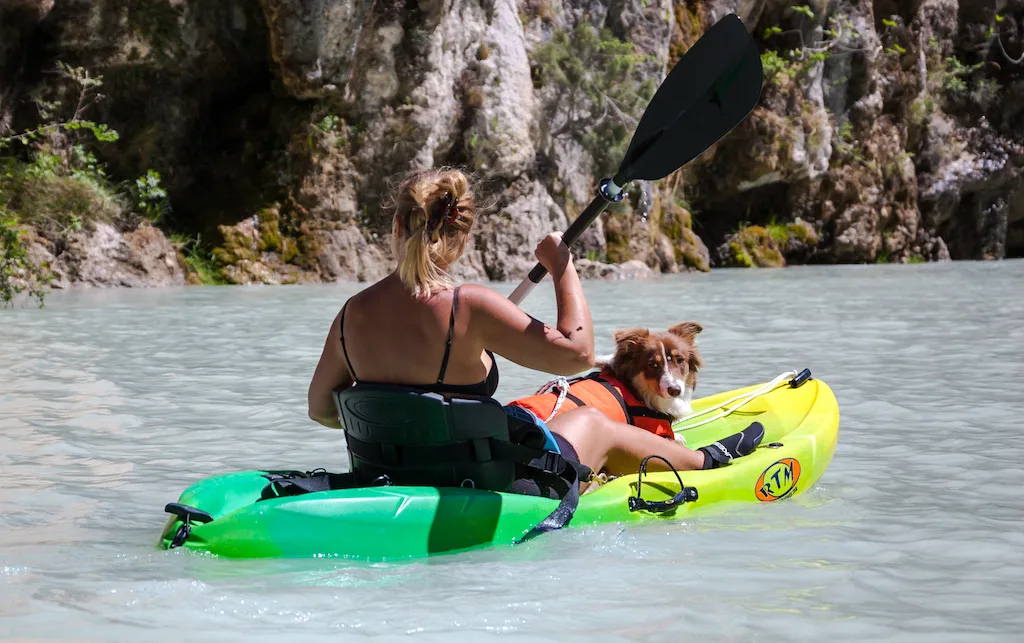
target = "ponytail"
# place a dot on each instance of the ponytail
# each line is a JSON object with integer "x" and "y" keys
{"x": 433, "y": 216}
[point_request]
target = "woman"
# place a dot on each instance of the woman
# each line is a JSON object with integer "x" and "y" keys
{"x": 414, "y": 328}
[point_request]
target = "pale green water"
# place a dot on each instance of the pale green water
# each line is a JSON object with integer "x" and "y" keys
{"x": 111, "y": 402}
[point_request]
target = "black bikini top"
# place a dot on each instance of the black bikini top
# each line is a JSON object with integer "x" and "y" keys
{"x": 487, "y": 387}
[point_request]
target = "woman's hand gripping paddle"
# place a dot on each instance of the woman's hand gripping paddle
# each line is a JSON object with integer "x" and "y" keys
{"x": 712, "y": 88}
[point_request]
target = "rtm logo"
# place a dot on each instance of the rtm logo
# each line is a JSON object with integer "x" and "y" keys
{"x": 778, "y": 480}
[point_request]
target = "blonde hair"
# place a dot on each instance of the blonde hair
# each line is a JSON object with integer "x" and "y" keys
{"x": 433, "y": 216}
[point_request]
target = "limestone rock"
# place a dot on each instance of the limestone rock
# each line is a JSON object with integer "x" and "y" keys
{"x": 314, "y": 42}
{"x": 345, "y": 255}
{"x": 507, "y": 109}
{"x": 509, "y": 236}
{"x": 104, "y": 256}
{"x": 632, "y": 269}
{"x": 971, "y": 177}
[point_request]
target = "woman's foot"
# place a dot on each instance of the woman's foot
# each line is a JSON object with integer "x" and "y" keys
{"x": 737, "y": 445}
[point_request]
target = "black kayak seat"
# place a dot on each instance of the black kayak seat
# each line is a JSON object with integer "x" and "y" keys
{"x": 433, "y": 439}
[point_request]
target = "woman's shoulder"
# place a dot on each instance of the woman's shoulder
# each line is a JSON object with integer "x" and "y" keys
{"x": 478, "y": 297}
{"x": 490, "y": 307}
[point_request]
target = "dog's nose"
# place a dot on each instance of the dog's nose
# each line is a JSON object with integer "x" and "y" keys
{"x": 674, "y": 391}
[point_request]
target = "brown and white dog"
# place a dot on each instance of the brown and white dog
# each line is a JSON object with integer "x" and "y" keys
{"x": 660, "y": 367}
{"x": 648, "y": 382}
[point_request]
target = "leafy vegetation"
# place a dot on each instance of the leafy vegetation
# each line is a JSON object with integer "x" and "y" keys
{"x": 151, "y": 198}
{"x": 198, "y": 260}
{"x": 597, "y": 90}
{"x": 18, "y": 274}
{"x": 51, "y": 180}
{"x": 815, "y": 45}
{"x": 778, "y": 232}
{"x": 48, "y": 110}
{"x": 962, "y": 84}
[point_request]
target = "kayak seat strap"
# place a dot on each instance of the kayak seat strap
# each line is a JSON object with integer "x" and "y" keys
{"x": 479, "y": 450}
{"x": 295, "y": 483}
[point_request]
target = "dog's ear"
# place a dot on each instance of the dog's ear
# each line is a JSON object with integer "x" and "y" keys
{"x": 695, "y": 363}
{"x": 686, "y": 330}
{"x": 631, "y": 337}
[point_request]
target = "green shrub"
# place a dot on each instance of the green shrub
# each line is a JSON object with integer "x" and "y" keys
{"x": 86, "y": 86}
{"x": 150, "y": 197}
{"x": 772, "y": 64}
{"x": 599, "y": 90}
{"x": 55, "y": 183}
{"x": 779, "y": 232}
{"x": 814, "y": 46}
{"x": 17, "y": 273}
{"x": 199, "y": 261}
{"x": 55, "y": 200}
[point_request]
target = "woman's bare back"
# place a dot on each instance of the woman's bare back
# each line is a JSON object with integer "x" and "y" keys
{"x": 392, "y": 337}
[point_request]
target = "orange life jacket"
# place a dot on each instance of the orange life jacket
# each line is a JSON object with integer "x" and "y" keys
{"x": 607, "y": 394}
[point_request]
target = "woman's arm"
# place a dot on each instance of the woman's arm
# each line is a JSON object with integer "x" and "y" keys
{"x": 331, "y": 373}
{"x": 566, "y": 349}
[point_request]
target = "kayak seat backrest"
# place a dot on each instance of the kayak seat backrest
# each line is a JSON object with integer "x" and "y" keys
{"x": 419, "y": 438}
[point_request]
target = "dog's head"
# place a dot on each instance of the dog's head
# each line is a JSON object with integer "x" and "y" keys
{"x": 661, "y": 367}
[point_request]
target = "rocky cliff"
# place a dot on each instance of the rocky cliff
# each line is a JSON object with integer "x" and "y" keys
{"x": 270, "y": 132}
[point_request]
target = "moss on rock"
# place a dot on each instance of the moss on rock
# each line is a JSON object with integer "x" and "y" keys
{"x": 676, "y": 223}
{"x": 616, "y": 235}
{"x": 752, "y": 246}
{"x": 691, "y": 251}
{"x": 240, "y": 243}
{"x": 802, "y": 232}
{"x": 269, "y": 230}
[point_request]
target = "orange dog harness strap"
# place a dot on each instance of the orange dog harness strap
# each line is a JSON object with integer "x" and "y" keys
{"x": 635, "y": 411}
{"x": 614, "y": 387}
{"x": 603, "y": 391}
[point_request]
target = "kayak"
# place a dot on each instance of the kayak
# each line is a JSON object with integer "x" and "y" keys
{"x": 230, "y": 515}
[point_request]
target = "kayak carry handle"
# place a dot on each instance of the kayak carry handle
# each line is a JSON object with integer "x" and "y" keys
{"x": 187, "y": 513}
{"x": 800, "y": 378}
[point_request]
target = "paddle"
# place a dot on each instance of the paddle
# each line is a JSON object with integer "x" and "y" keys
{"x": 710, "y": 90}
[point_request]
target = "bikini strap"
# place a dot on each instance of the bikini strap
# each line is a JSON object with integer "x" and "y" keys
{"x": 341, "y": 332}
{"x": 451, "y": 331}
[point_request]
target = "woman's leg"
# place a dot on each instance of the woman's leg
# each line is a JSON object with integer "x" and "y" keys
{"x": 604, "y": 444}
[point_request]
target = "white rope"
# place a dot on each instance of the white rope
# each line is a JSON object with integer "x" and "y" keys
{"x": 562, "y": 385}
{"x": 745, "y": 397}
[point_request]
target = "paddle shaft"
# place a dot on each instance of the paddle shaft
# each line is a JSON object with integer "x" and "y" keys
{"x": 608, "y": 193}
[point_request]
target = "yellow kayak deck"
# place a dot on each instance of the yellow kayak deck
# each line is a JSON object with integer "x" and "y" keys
{"x": 801, "y": 429}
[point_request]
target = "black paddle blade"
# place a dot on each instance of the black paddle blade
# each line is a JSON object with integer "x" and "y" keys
{"x": 713, "y": 87}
